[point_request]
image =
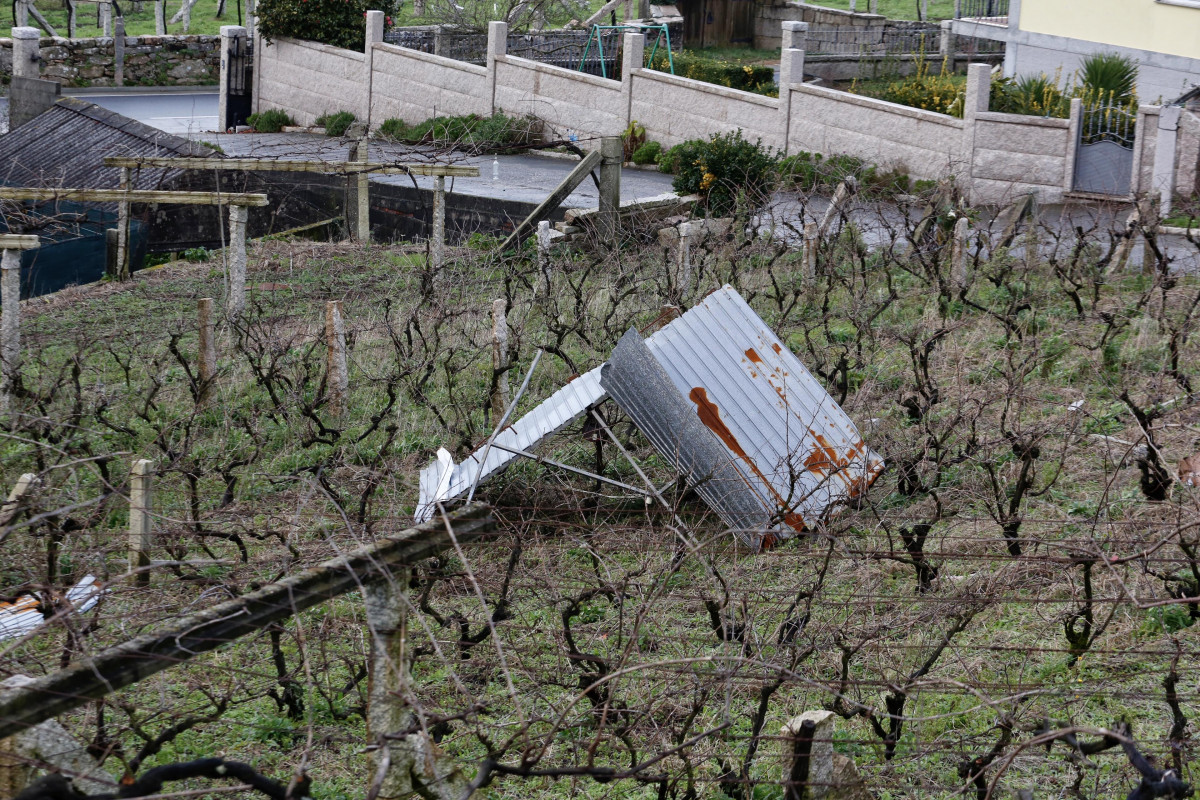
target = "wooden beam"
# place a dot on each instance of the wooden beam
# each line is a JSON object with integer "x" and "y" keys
{"x": 268, "y": 165}
{"x": 547, "y": 206}
{"x": 135, "y": 196}
{"x": 186, "y": 637}
{"x": 12, "y": 241}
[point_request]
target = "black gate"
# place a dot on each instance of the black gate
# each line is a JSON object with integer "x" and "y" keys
{"x": 1104, "y": 157}
{"x": 239, "y": 81}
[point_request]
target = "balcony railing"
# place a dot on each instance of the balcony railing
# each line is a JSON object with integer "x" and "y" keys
{"x": 991, "y": 12}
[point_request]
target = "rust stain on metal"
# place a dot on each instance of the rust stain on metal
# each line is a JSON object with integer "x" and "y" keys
{"x": 754, "y": 356}
{"x": 710, "y": 415}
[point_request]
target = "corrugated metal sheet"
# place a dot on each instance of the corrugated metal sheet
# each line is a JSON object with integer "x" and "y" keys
{"x": 550, "y": 416}
{"x": 722, "y": 399}
{"x": 67, "y": 144}
{"x": 798, "y": 453}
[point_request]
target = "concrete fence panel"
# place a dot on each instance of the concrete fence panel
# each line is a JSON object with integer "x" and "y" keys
{"x": 922, "y": 143}
{"x": 1016, "y": 154}
{"x": 674, "y": 109}
{"x": 414, "y": 86}
{"x": 307, "y": 79}
{"x": 564, "y": 98}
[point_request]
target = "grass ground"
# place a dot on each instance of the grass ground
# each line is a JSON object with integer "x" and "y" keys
{"x": 613, "y": 643}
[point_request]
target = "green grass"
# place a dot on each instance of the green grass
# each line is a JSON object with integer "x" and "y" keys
{"x": 898, "y": 9}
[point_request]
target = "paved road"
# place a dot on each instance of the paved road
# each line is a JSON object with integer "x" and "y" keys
{"x": 185, "y": 113}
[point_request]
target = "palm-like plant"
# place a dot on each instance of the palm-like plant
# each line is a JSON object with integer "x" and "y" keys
{"x": 1110, "y": 76}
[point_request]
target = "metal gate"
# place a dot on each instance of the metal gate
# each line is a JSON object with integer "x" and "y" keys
{"x": 239, "y": 81}
{"x": 1104, "y": 156}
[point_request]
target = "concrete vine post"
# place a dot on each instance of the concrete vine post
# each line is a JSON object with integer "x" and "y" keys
{"x": 207, "y": 351}
{"x": 437, "y": 245}
{"x": 401, "y": 764}
{"x": 812, "y": 242}
{"x": 160, "y": 17}
{"x": 543, "y": 254}
{"x": 106, "y": 17}
{"x": 959, "y": 254}
{"x": 337, "y": 375}
{"x": 683, "y": 256}
{"x": 236, "y": 302}
{"x": 500, "y": 395}
{"x": 141, "y": 525}
{"x": 612, "y": 154}
{"x": 10, "y": 312}
{"x": 119, "y": 51}
{"x": 123, "y": 229}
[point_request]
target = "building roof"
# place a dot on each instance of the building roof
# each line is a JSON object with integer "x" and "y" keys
{"x": 66, "y": 147}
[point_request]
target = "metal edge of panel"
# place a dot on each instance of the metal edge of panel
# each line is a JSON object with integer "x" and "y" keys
{"x": 636, "y": 380}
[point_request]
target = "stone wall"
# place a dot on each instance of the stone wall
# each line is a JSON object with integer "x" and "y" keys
{"x": 434, "y": 84}
{"x": 307, "y": 79}
{"x": 149, "y": 60}
{"x": 1015, "y": 155}
{"x": 769, "y": 16}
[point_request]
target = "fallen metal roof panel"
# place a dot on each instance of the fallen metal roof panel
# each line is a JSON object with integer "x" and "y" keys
{"x": 798, "y": 452}
{"x": 548, "y": 418}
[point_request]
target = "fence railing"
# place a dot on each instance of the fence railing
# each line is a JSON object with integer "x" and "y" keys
{"x": 567, "y": 49}
{"x": 992, "y": 11}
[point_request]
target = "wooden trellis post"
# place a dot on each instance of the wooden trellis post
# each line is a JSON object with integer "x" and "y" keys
{"x": 10, "y": 312}
{"x": 140, "y": 524}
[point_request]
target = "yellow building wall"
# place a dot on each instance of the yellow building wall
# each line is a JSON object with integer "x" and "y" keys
{"x": 1143, "y": 24}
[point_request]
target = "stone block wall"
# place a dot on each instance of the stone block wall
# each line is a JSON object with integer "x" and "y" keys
{"x": 149, "y": 60}
{"x": 770, "y": 15}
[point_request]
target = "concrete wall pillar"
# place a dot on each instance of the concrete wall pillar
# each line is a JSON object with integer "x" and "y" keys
{"x": 233, "y": 38}
{"x": 633, "y": 56}
{"x": 791, "y": 71}
{"x": 497, "y": 47}
{"x": 1163, "y": 182}
{"x": 374, "y": 36}
{"x": 978, "y": 95}
{"x": 1074, "y": 121}
{"x": 27, "y": 60}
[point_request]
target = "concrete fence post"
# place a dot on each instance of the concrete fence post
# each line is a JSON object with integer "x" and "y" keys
{"x": 437, "y": 238}
{"x": 978, "y": 95}
{"x": 119, "y": 51}
{"x": 10, "y": 324}
{"x": 236, "y": 302}
{"x": 106, "y": 18}
{"x": 21, "y": 9}
{"x": 337, "y": 374}
{"x": 1164, "y": 157}
{"x": 250, "y": 19}
{"x": 612, "y": 155}
{"x": 543, "y": 253}
{"x": 122, "y": 263}
{"x": 497, "y": 47}
{"x": 233, "y": 39}
{"x": 187, "y": 15}
{"x": 160, "y": 17}
{"x": 374, "y": 36}
{"x": 358, "y": 211}
{"x": 791, "y": 71}
{"x": 633, "y": 57}
{"x": 500, "y": 394}
{"x": 26, "y": 55}
{"x": 207, "y": 355}
{"x": 959, "y": 254}
{"x": 683, "y": 256}
{"x": 1074, "y": 123}
{"x": 946, "y": 44}
{"x": 141, "y": 501}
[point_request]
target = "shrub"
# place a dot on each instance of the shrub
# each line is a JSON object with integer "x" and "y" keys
{"x": 270, "y": 121}
{"x": 341, "y": 23}
{"x": 668, "y": 160}
{"x": 335, "y": 124}
{"x": 746, "y": 77}
{"x": 1034, "y": 95}
{"x": 726, "y": 170}
{"x": 812, "y": 172}
{"x": 633, "y": 138}
{"x": 944, "y": 92}
{"x": 1109, "y": 77}
{"x": 648, "y": 153}
{"x": 471, "y": 133}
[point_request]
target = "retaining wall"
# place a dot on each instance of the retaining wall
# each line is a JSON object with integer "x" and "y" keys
{"x": 414, "y": 86}
{"x": 674, "y": 109}
{"x": 149, "y": 60}
{"x": 564, "y": 98}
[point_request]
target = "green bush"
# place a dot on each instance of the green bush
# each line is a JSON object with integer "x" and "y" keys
{"x": 471, "y": 133}
{"x": 648, "y": 153}
{"x": 270, "y": 121}
{"x": 335, "y": 124}
{"x": 726, "y": 170}
{"x": 1034, "y": 95}
{"x": 341, "y": 23}
{"x": 1109, "y": 77}
{"x": 746, "y": 77}
{"x": 668, "y": 160}
{"x": 812, "y": 172}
